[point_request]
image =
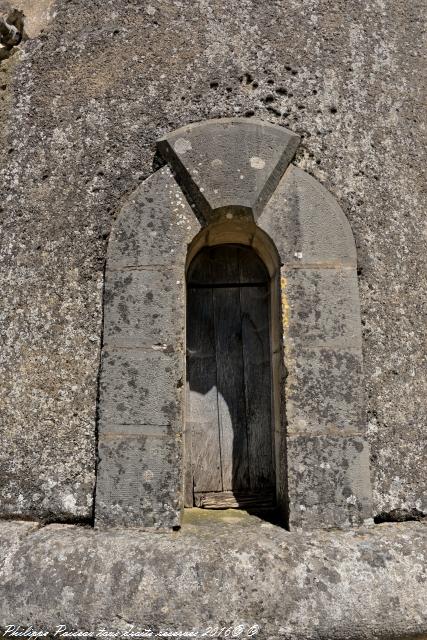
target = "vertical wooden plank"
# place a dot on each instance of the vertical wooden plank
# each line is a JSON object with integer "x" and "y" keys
{"x": 224, "y": 264}
{"x": 257, "y": 369}
{"x": 202, "y": 403}
{"x": 230, "y": 376}
{"x": 251, "y": 267}
{"x": 188, "y": 463}
{"x": 231, "y": 392}
{"x": 199, "y": 271}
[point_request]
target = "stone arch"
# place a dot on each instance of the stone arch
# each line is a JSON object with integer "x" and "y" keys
{"x": 225, "y": 179}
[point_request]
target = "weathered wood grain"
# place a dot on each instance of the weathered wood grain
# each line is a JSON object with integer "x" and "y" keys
{"x": 232, "y": 500}
{"x": 251, "y": 268}
{"x": 202, "y": 408}
{"x": 231, "y": 395}
{"x": 188, "y": 460}
{"x": 229, "y": 379}
{"x": 257, "y": 367}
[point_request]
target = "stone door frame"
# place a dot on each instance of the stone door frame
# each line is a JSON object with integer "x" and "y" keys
{"x": 231, "y": 180}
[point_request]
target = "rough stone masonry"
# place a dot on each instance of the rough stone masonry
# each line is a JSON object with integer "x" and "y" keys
{"x": 83, "y": 101}
{"x": 83, "y": 98}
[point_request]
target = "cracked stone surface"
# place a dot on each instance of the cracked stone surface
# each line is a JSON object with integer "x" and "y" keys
{"x": 83, "y": 102}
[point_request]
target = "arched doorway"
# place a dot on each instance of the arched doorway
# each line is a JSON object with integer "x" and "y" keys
{"x": 229, "y": 387}
{"x": 253, "y": 198}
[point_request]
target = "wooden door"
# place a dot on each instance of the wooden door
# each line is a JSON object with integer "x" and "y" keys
{"x": 229, "y": 443}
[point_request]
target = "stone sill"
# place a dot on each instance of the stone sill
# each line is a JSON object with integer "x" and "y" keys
{"x": 222, "y": 568}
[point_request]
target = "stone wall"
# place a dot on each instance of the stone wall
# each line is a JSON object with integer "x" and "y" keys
{"x": 83, "y": 101}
